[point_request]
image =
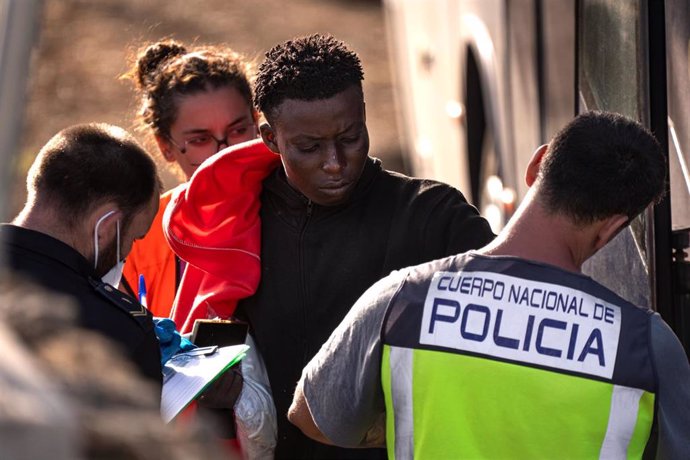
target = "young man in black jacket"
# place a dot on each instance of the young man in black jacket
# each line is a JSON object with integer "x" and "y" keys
{"x": 332, "y": 220}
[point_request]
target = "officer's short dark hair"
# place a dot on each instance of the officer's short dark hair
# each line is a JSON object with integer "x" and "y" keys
{"x": 306, "y": 68}
{"x": 86, "y": 165}
{"x": 601, "y": 164}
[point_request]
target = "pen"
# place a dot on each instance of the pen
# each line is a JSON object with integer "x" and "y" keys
{"x": 142, "y": 290}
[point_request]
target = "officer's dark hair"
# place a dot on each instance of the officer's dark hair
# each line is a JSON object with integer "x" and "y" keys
{"x": 601, "y": 164}
{"x": 86, "y": 165}
{"x": 307, "y": 68}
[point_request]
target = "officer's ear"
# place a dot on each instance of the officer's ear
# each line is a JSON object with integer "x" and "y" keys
{"x": 534, "y": 164}
{"x": 268, "y": 135}
{"x": 609, "y": 228}
{"x": 103, "y": 220}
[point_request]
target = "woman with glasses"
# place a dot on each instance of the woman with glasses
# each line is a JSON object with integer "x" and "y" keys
{"x": 194, "y": 102}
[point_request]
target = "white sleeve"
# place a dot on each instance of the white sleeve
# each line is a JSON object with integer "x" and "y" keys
{"x": 342, "y": 383}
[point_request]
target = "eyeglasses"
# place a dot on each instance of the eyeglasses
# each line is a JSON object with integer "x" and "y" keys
{"x": 206, "y": 143}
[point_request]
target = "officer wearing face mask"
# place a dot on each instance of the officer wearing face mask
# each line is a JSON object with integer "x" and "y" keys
{"x": 92, "y": 191}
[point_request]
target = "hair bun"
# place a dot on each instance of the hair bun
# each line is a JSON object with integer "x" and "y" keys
{"x": 154, "y": 57}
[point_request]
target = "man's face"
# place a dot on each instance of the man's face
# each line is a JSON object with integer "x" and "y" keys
{"x": 323, "y": 144}
{"x": 137, "y": 228}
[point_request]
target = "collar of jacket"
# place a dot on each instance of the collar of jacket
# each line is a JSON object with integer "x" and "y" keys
{"x": 47, "y": 246}
{"x": 296, "y": 204}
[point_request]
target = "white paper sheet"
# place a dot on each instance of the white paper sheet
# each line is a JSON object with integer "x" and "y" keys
{"x": 186, "y": 375}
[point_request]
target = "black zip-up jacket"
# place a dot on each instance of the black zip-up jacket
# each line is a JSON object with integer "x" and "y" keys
{"x": 316, "y": 261}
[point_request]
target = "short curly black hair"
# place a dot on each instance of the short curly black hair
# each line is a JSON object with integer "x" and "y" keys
{"x": 306, "y": 68}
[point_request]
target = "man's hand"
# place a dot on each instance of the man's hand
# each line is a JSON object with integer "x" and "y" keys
{"x": 223, "y": 393}
{"x": 216, "y": 403}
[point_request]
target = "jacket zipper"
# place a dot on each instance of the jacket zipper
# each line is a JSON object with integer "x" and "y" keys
{"x": 303, "y": 281}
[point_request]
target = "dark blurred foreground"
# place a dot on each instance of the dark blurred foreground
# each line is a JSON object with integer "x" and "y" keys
{"x": 67, "y": 393}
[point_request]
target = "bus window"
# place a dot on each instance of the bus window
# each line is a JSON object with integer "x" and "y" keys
{"x": 612, "y": 76}
{"x": 678, "y": 77}
{"x": 558, "y": 51}
{"x": 611, "y": 58}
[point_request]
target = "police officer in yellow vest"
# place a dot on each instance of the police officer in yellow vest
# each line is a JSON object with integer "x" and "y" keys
{"x": 510, "y": 351}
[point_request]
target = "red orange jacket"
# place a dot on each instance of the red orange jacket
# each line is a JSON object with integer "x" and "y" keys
{"x": 152, "y": 257}
{"x": 212, "y": 222}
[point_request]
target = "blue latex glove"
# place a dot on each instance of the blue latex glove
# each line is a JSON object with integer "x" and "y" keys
{"x": 170, "y": 340}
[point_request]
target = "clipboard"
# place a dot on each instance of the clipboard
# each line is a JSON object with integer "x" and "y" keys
{"x": 187, "y": 375}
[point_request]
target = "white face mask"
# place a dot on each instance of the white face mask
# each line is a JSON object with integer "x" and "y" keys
{"x": 114, "y": 275}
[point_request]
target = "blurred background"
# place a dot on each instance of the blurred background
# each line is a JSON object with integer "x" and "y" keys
{"x": 83, "y": 47}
